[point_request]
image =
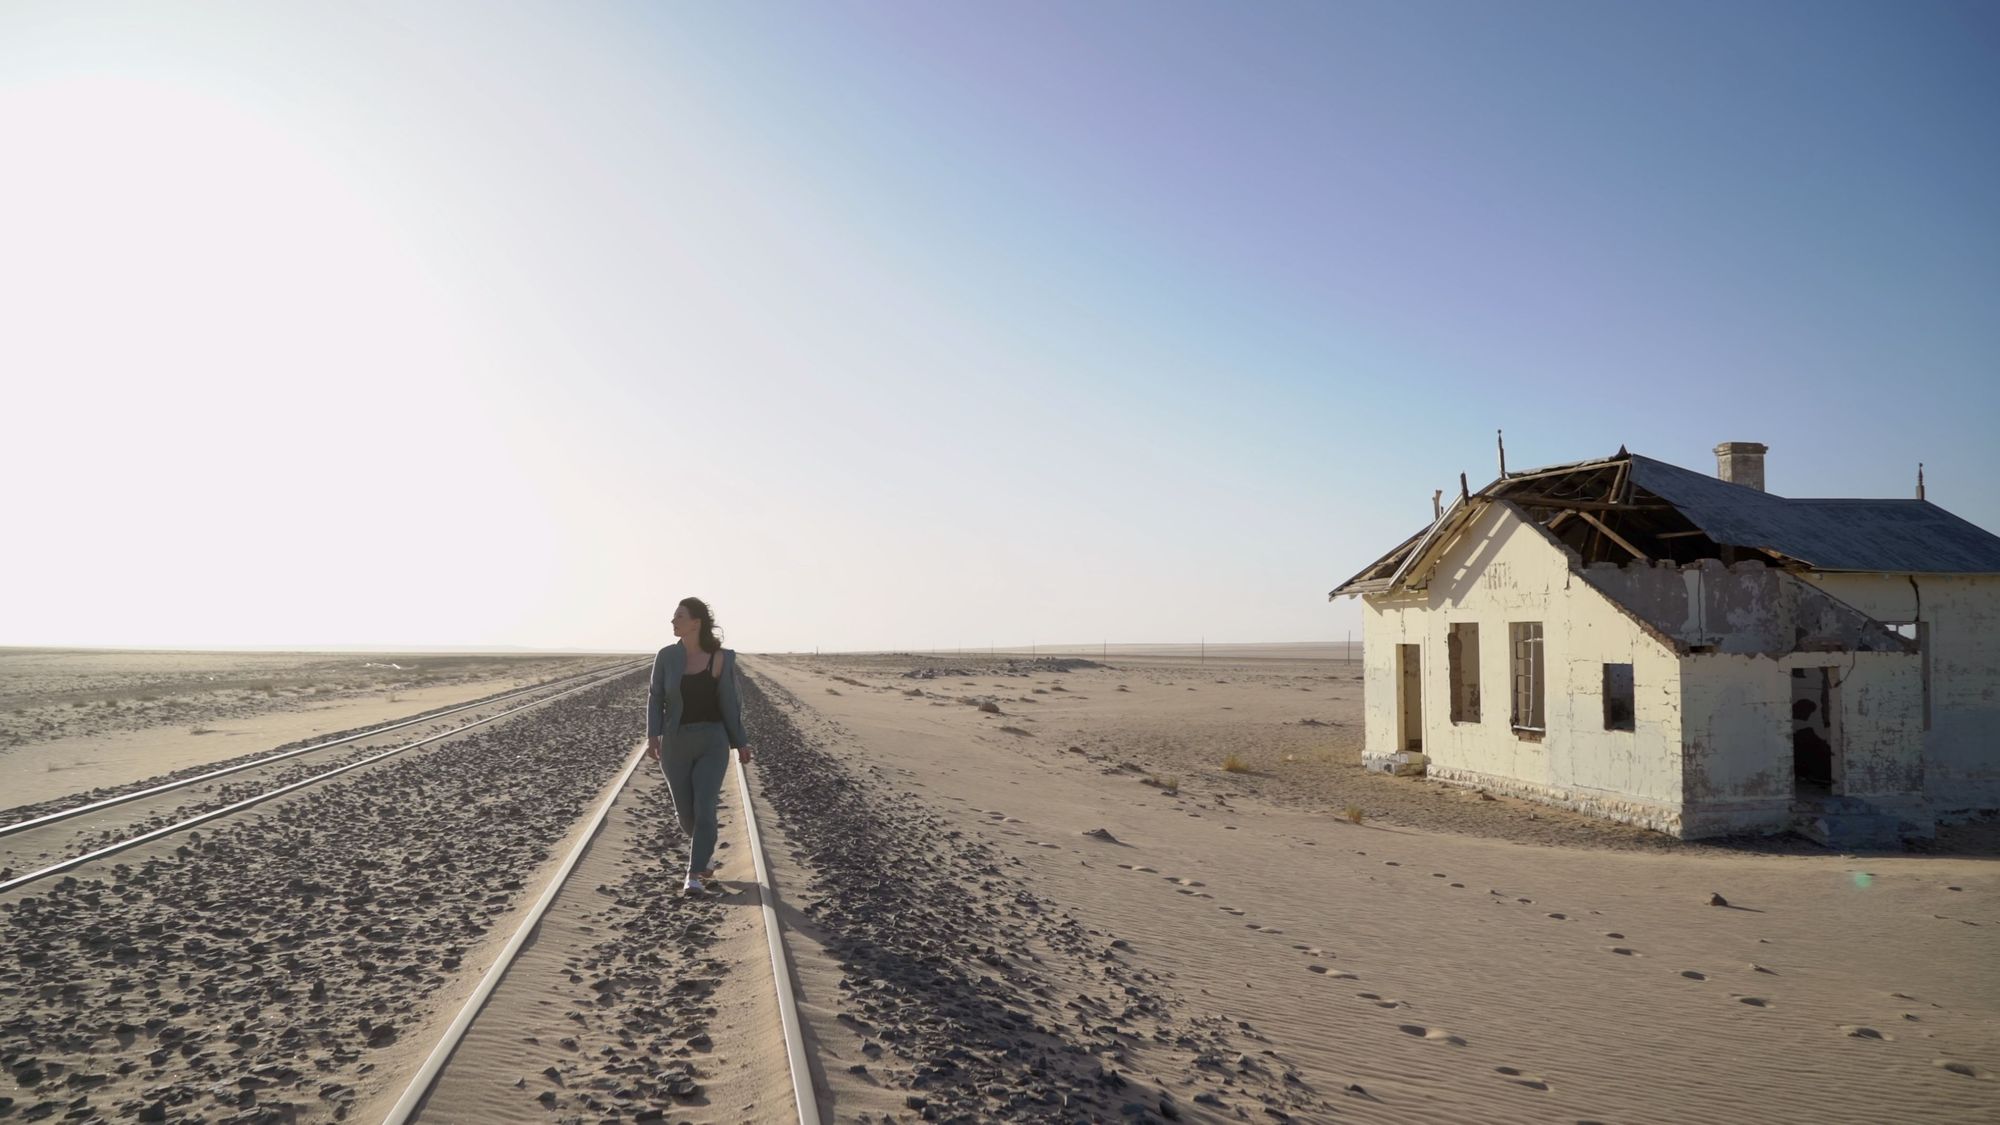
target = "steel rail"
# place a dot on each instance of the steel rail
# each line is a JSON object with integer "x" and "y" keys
{"x": 803, "y": 1095}
{"x": 108, "y": 802}
{"x": 212, "y": 814}
{"x": 427, "y": 1074}
{"x": 806, "y": 1101}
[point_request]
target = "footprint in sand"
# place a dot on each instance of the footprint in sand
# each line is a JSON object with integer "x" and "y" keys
{"x": 1692, "y": 975}
{"x": 1560, "y": 917}
{"x": 1126, "y": 866}
{"x": 1520, "y": 1079}
{"x": 1390, "y": 863}
{"x": 1433, "y": 1034}
{"x": 1853, "y": 1031}
{"x": 1754, "y": 1001}
{"x": 1460, "y": 886}
{"x": 1041, "y": 844}
{"x": 1148, "y": 870}
{"x": 1331, "y": 974}
{"x": 1529, "y": 901}
{"x": 1966, "y": 1069}
{"x": 1439, "y": 875}
{"x": 1232, "y": 910}
{"x": 1624, "y": 951}
{"x": 1616, "y": 937}
{"x": 1269, "y": 930}
{"x": 1379, "y": 1001}
{"x": 1184, "y": 882}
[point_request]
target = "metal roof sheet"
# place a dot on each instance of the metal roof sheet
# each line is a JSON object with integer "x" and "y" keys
{"x": 1901, "y": 536}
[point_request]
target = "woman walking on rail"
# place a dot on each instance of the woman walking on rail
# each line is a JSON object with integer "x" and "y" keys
{"x": 694, "y": 717}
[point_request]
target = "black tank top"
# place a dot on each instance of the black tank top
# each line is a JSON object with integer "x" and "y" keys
{"x": 700, "y": 701}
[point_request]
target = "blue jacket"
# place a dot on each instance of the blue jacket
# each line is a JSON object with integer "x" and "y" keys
{"x": 663, "y": 702}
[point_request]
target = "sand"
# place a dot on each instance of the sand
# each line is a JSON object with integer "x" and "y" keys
{"x": 1012, "y": 891}
{"x": 1442, "y": 972}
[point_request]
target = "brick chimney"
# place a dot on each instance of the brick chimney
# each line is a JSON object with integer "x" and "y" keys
{"x": 1741, "y": 462}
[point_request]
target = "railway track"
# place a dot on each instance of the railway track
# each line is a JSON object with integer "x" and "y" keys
{"x": 286, "y": 961}
{"x": 508, "y": 1025}
{"x": 111, "y": 825}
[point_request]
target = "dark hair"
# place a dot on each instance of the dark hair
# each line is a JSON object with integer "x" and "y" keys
{"x": 711, "y": 639}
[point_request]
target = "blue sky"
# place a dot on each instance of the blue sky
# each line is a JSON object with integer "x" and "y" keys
{"x": 896, "y": 325}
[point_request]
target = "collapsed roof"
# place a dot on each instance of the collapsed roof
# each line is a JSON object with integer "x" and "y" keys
{"x": 1627, "y": 507}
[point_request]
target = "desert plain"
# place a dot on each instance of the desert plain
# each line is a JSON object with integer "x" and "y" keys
{"x": 1152, "y": 885}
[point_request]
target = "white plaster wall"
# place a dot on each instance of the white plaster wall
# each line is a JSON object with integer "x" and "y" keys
{"x": 1503, "y": 570}
{"x": 1737, "y": 735}
{"x": 1385, "y": 623}
{"x": 1881, "y": 745}
{"x": 1962, "y": 747}
{"x": 1737, "y": 743}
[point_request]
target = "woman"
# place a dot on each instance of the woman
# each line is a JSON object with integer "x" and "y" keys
{"x": 695, "y": 716}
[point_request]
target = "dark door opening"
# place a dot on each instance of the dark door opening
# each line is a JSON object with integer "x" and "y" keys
{"x": 1410, "y": 678}
{"x": 1814, "y": 731}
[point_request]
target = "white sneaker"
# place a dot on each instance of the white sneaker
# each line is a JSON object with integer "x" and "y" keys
{"x": 693, "y": 884}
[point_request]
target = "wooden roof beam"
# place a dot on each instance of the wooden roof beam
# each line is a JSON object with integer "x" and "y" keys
{"x": 1612, "y": 535}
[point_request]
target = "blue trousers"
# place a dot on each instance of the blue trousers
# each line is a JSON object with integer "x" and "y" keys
{"x": 696, "y": 759}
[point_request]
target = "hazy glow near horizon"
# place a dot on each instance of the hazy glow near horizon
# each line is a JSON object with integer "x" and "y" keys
{"x": 901, "y": 326}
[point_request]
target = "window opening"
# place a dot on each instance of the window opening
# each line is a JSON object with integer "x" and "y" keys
{"x": 1528, "y": 674}
{"x": 1462, "y": 653}
{"x": 1619, "y": 697}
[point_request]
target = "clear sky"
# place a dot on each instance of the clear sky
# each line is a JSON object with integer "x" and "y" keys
{"x": 925, "y": 325}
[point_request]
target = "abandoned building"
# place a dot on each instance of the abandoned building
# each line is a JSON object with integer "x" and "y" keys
{"x": 1690, "y": 653}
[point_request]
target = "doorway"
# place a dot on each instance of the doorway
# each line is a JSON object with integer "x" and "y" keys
{"x": 1815, "y": 731}
{"x": 1410, "y": 692}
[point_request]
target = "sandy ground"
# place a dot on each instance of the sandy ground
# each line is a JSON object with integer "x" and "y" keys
{"x": 1446, "y": 959}
{"x": 74, "y": 721}
{"x": 1012, "y": 892}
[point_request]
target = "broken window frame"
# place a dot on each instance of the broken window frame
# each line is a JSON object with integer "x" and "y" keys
{"x": 1530, "y": 677}
{"x": 1462, "y": 666}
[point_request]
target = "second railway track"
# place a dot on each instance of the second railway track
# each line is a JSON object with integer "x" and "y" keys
{"x": 282, "y": 964}
{"x": 49, "y": 843}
